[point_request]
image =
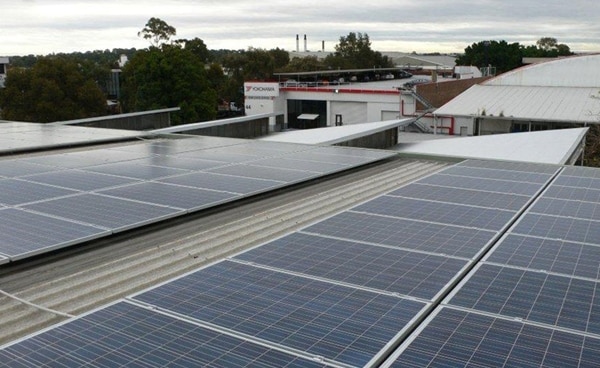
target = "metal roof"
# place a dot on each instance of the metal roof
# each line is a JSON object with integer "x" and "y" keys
{"x": 534, "y": 103}
{"x": 576, "y": 71}
{"x": 547, "y": 147}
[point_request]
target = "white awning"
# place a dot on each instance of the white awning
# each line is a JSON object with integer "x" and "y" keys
{"x": 308, "y": 116}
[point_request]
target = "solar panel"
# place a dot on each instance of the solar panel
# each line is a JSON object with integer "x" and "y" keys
{"x": 567, "y": 208}
{"x": 398, "y": 271}
{"x": 562, "y": 228}
{"x": 296, "y": 164}
{"x": 577, "y": 181}
{"x": 178, "y": 162}
{"x": 15, "y": 168}
{"x": 174, "y": 196}
{"x": 557, "y": 256}
{"x": 136, "y": 171}
{"x": 504, "y": 201}
{"x": 26, "y": 234}
{"x": 79, "y": 180}
{"x": 80, "y": 159}
{"x": 102, "y": 211}
{"x": 268, "y": 173}
{"x": 405, "y": 233}
{"x": 529, "y": 177}
{"x": 511, "y": 166}
{"x": 15, "y": 192}
{"x": 481, "y": 184}
{"x": 532, "y": 296}
{"x": 573, "y": 194}
{"x": 445, "y": 213}
{"x": 226, "y": 183}
{"x": 339, "y": 323}
{"x": 584, "y": 172}
{"x": 127, "y": 335}
{"x": 464, "y": 339}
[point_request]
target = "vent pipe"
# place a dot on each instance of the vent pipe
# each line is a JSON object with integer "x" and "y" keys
{"x": 305, "y": 49}
{"x": 297, "y": 43}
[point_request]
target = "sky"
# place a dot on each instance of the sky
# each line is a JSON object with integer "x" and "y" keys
{"x": 42, "y": 27}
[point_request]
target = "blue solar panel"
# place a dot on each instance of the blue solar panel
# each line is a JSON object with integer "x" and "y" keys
{"x": 567, "y": 208}
{"x": 388, "y": 269}
{"x": 571, "y": 259}
{"x": 404, "y": 233}
{"x": 175, "y": 196}
{"x": 14, "y": 192}
{"x": 25, "y": 234}
{"x": 573, "y": 194}
{"x": 455, "y": 338}
{"x": 226, "y": 183}
{"x": 576, "y": 181}
{"x": 562, "y": 228}
{"x": 584, "y": 172}
{"x": 533, "y": 296}
{"x": 268, "y": 173}
{"x": 481, "y": 184}
{"x": 130, "y": 336}
{"x": 444, "y": 213}
{"x": 178, "y": 162}
{"x": 15, "y": 168}
{"x": 79, "y": 180}
{"x": 504, "y": 201}
{"x": 511, "y": 166}
{"x": 340, "y": 323}
{"x": 106, "y": 212}
{"x": 520, "y": 176}
{"x": 136, "y": 171}
{"x": 298, "y": 164}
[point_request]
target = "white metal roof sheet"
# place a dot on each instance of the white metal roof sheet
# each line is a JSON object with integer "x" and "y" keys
{"x": 565, "y": 104}
{"x": 548, "y": 147}
{"x": 575, "y": 71}
{"x": 333, "y": 135}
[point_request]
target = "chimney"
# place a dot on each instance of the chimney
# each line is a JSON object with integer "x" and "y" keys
{"x": 305, "y": 44}
{"x": 323, "y": 45}
{"x": 297, "y": 43}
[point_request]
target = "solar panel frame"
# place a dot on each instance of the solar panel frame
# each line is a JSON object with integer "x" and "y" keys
{"x": 17, "y": 168}
{"x": 227, "y": 183}
{"x": 561, "y": 228}
{"x": 566, "y": 208}
{"x": 79, "y": 180}
{"x": 136, "y": 171}
{"x": 511, "y": 166}
{"x": 488, "y": 173}
{"x": 482, "y": 184}
{"x": 263, "y": 172}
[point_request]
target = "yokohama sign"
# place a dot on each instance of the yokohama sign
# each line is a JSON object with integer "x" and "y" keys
{"x": 257, "y": 89}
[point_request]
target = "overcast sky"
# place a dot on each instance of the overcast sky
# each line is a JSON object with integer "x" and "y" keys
{"x": 41, "y": 27}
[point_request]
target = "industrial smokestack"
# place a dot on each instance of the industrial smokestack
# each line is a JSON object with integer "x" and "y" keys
{"x": 305, "y": 49}
{"x": 323, "y": 45}
{"x": 297, "y": 43}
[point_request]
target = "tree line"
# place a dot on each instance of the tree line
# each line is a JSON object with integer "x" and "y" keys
{"x": 184, "y": 73}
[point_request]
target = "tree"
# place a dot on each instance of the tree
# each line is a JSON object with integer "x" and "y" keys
{"x": 169, "y": 76}
{"x": 354, "y": 52}
{"x": 54, "y": 89}
{"x": 500, "y": 54}
{"x": 157, "y": 31}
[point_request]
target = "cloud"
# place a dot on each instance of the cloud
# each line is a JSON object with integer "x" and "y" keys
{"x": 394, "y": 25}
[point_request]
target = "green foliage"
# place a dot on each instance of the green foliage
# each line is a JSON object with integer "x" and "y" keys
{"x": 157, "y": 31}
{"x": 547, "y": 47}
{"x": 304, "y": 64}
{"x": 502, "y": 55}
{"x": 54, "y": 89}
{"x": 166, "y": 77}
{"x": 354, "y": 52}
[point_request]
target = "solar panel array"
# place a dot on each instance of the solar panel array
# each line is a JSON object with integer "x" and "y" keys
{"x": 58, "y": 200}
{"x": 343, "y": 292}
{"x": 534, "y": 300}
{"x": 18, "y": 136}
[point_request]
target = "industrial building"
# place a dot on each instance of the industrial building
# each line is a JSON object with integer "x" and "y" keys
{"x": 301, "y": 249}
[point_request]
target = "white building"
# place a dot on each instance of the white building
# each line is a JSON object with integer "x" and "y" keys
{"x": 550, "y": 95}
{"x": 3, "y": 70}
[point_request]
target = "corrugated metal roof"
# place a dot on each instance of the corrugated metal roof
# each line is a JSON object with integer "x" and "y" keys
{"x": 565, "y": 104}
{"x": 575, "y": 71}
{"x": 547, "y": 147}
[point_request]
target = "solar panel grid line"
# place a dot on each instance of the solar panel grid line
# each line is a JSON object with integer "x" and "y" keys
{"x": 228, "y": 183}
{"x": 566, "y": 208}
{"x": 558, "y": 228}
{"x": 441, "y": 201}
{"x": 511, "y": 166}
{"x": 488, "y": 173}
